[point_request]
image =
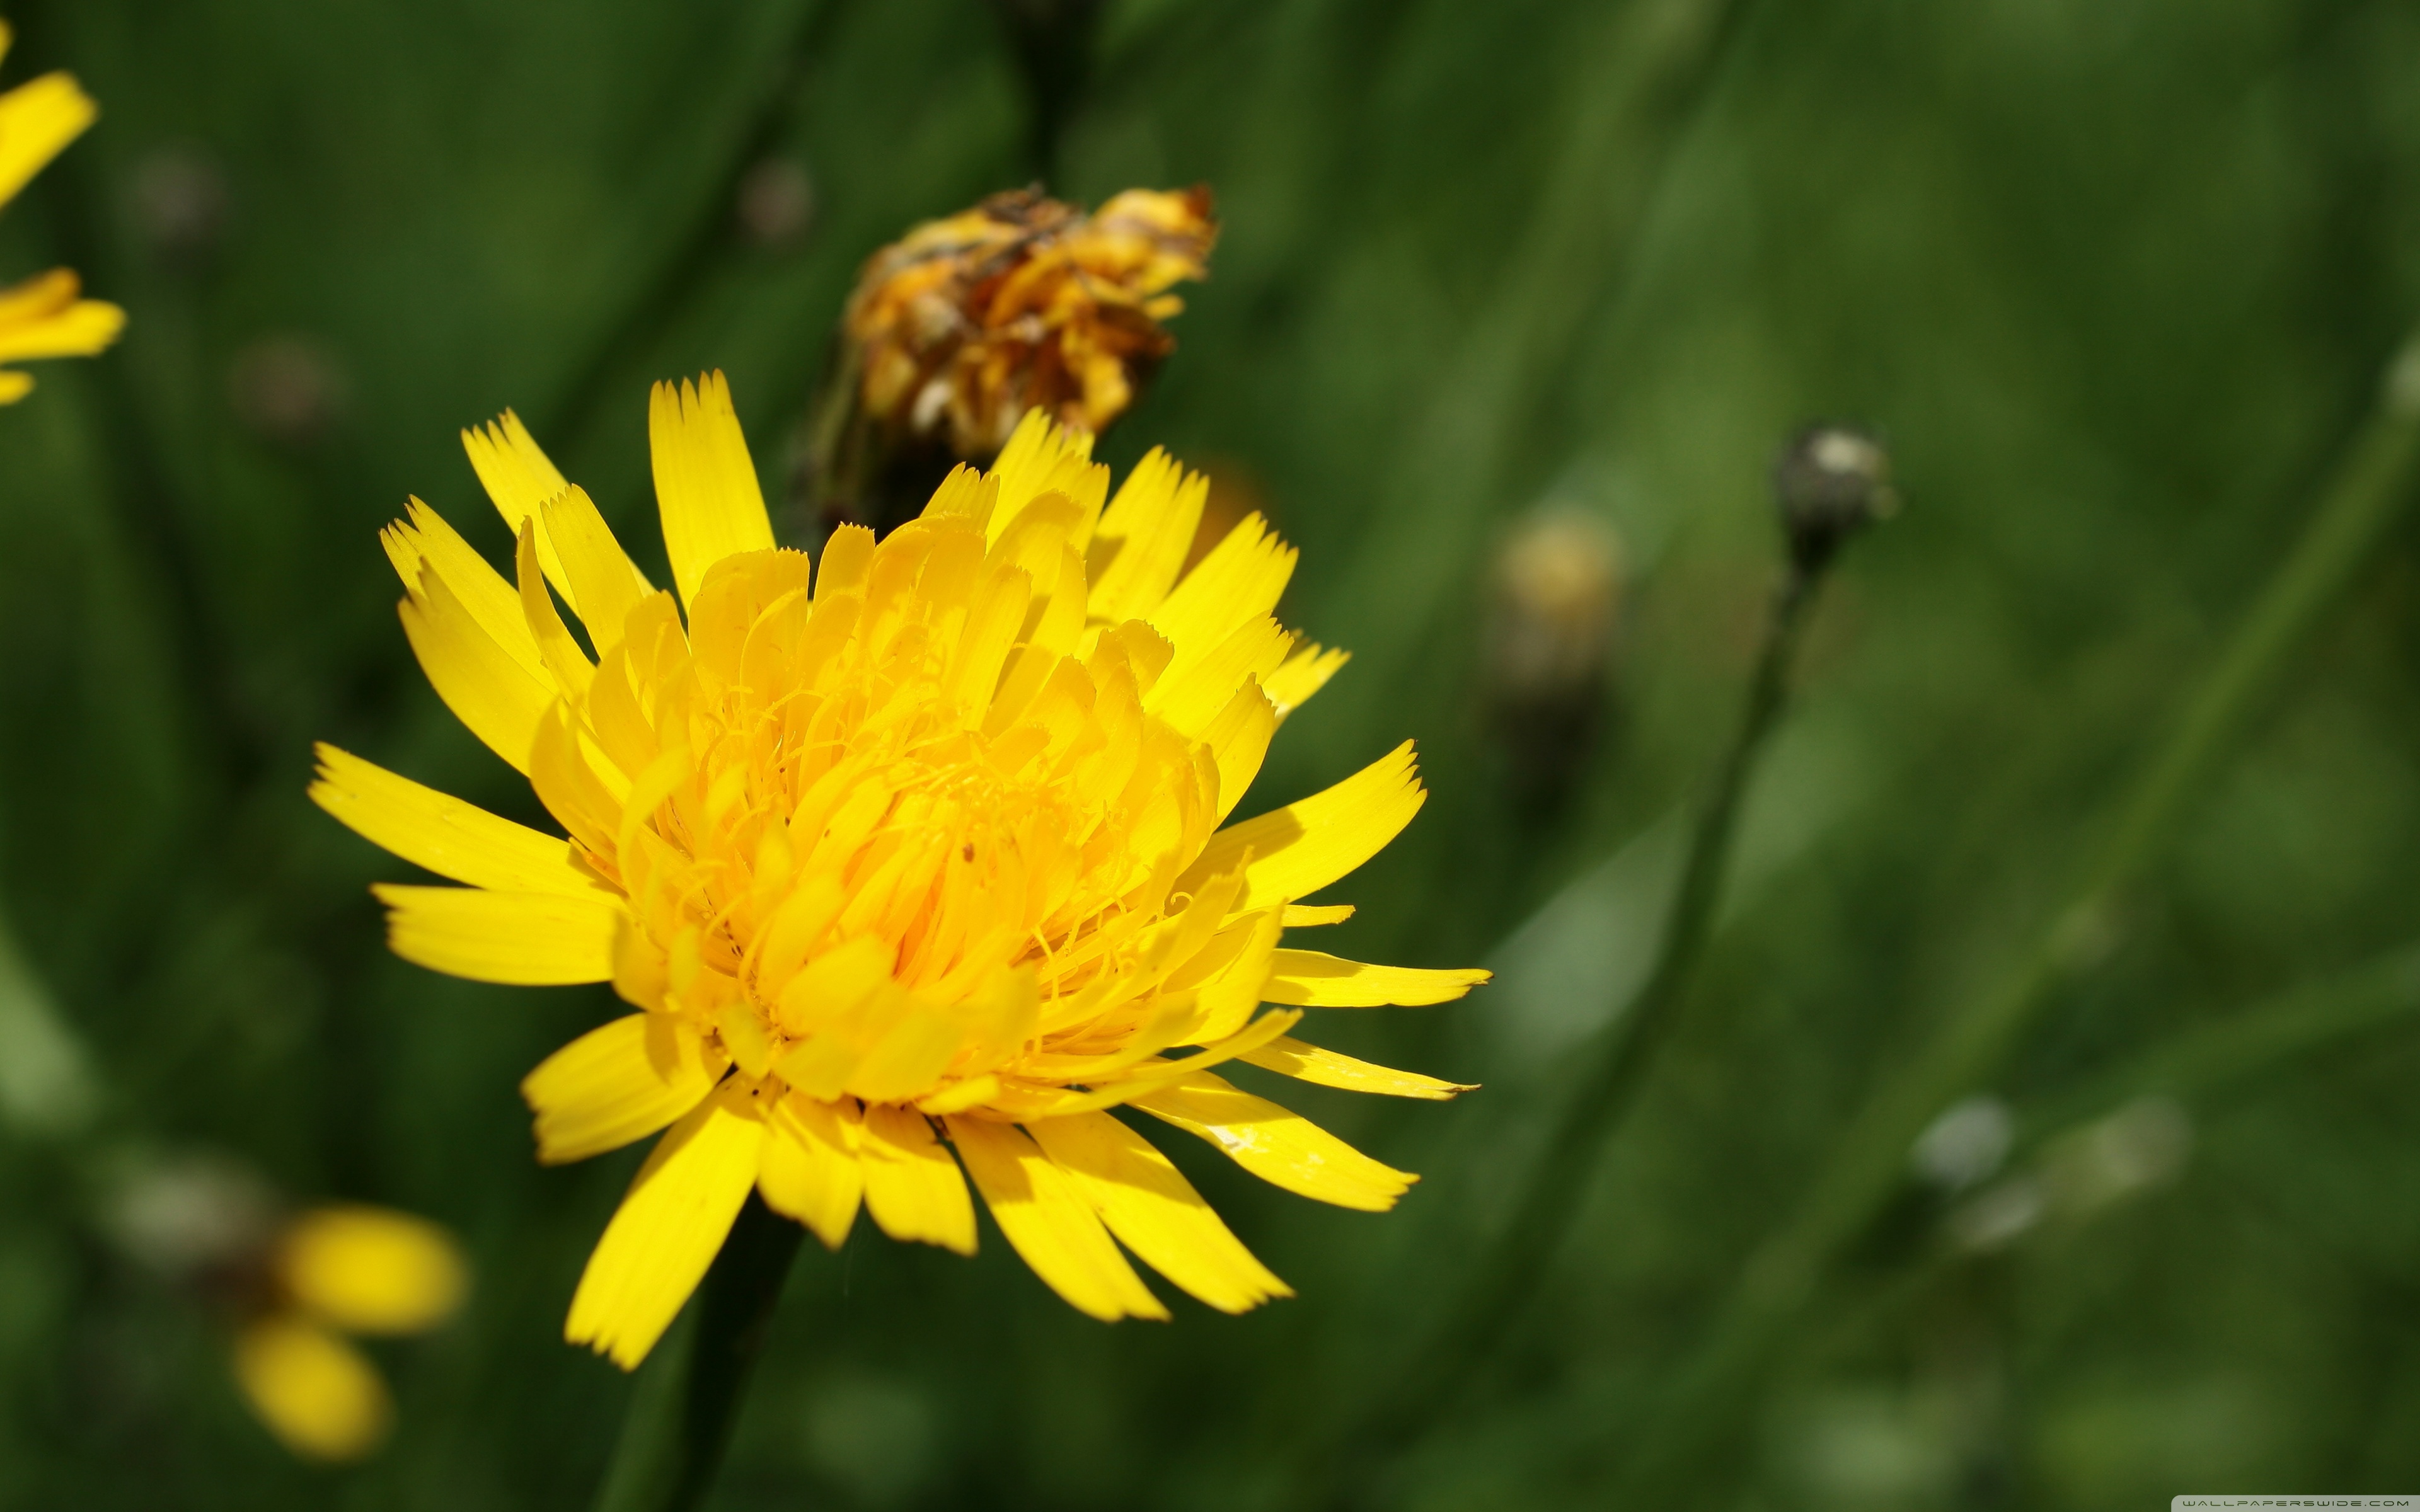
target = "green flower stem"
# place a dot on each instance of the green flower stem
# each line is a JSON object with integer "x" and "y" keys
{"x": 2368, "y": 493}
{"x": 688, "y": 1392}
{"x": 1609, "y": 1087}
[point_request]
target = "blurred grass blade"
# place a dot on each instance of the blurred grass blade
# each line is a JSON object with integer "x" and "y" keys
{"x": 2371, "y": 486}
{"x": 46, "y": 1086}
{"x": 2210, "y": 1058}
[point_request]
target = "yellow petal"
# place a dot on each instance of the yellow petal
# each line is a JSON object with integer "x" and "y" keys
{"x": 494, "y": 696}
{"x": 605, "y": 588}
{"x": 423, "y": 542}
{"x": 1049, "y": 1223}
{"x": 519, "y": 478}
{"x": 529, "y": 939}
{"x": 1238, "y": 739}
{"x": 1305, "y": 672}
{"x": 316, "y": 1392}
{"x": 668, "y": 1228}
{"x": 1310, "y": 1063}
{"x": 618, "y": 1084}
{"x": 705, "y": 485}
{"x": 1154, "y": 1211}
{"x": 569, "y": 666}
{"x": 42, "y": 318}
{"x": 912, "y": 1186}
{"x": 36, "y": 120}
{"x": 1044, "y": 456}
{"x": 1143, "y": 537}
{"x": 1311, "y": 979}
{"x": 1280, "y": 1148}
{"x": 1190, "y": 694}
{"x": 1240, "y": 580}
{"x": 1304, "y": 846}
{"x": 1310, "y": 916}
{"x": 809, "y": 1170}
{"x": 372, "y": 1270}
{"x": 443, "y": 833}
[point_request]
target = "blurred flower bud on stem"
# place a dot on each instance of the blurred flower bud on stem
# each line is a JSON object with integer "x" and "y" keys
{"x": 293, "y": 1287}
{"x": 178, "y": 201}
{"x": 777, "y": 204}
{"x": 1830, "y": 483}
{"x": 1554, "y": 605}
{"x": 958, "y": 327}
{"x": 289, "y": 389}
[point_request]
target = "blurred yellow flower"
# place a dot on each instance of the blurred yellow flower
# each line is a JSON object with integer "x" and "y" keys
{"x": 357, "y": 1268}
{"x": 913, "y": 852}
{"x": 42, "y": 316}
{"x": 1024, "y": 303}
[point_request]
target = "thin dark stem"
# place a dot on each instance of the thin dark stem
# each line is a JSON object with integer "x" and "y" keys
{"x": 1608, "y": 1088}
{"x": 687, "y": 1395}
{"x": 1053, "y": 41}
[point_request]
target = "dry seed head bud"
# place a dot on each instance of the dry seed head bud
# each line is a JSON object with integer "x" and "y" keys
{"x": 1831, "y": 481}
{"x": 1024, "y": 303}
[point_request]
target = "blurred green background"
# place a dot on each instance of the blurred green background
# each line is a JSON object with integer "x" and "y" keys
{"x": 2116, "y": 279}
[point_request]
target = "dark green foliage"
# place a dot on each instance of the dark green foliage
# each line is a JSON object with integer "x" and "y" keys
{"x": 2117, "y": 281}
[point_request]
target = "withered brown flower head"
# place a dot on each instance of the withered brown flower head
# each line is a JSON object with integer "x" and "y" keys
{"x": 1020, "y": 302}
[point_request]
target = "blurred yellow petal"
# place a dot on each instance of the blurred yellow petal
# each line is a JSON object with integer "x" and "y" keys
{"x": 372, "y": 1270}
{"x": 43, "y": 317}
{"x": 319, "y": 1395}
{"x": 668, "y": 1230}
{"x": 1049, "y": 1223}
{"x": 618, "y": 1084}
{"x": 37, "y": 119}
{"x": 705, "y": 485}
{"x": 1154, "y": 1211}
{"x": 912, "y": 1186}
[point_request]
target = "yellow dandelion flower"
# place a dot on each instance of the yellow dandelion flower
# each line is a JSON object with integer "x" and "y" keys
{"x": 909, "y": 861}
{"x": 1024, "y": 303}
{"x": 43, "y": 317}
{"x": 335, "y": 1270}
